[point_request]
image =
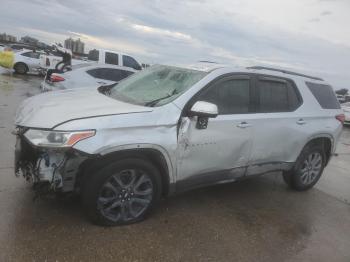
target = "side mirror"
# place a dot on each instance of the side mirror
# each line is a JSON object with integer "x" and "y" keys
{"x": 204, "y": 109}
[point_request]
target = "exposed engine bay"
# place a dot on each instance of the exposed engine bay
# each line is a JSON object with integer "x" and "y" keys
{"x": 48, "y": 169}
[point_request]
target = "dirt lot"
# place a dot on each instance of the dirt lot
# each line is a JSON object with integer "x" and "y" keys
{"x": 253, "y": 220}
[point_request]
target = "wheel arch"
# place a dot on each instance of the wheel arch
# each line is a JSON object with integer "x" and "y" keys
{"x": 156, "y": 156}
{"x": 326, "y": 141}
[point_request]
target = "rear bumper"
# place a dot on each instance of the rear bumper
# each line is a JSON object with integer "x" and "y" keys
{"x": 47, "y": 86}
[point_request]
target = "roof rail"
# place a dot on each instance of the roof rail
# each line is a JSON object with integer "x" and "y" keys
{"x": 284, "y": 71}
{"x": 209, "y": 62}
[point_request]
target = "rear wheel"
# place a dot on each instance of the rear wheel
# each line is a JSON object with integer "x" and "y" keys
{"x": 123, "y": 192}
{"x": 21, "y": 68}
{"x": 307, "y": 170}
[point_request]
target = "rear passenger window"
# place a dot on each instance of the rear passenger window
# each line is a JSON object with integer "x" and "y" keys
{"x": 32, "y": 55}
{"x": 324, "y": 94}
{"x": 109, "y": 74}
{"x": 97, "y": 73}
{"x": 276, "y": 95}
{"x": 111, "y": 58}
{"x": 231, "y": 96}
{"x": 116, "y": 74}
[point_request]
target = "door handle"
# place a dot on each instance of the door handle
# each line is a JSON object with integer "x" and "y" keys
{"x": 301, "y": 122}
{"x": 243, "y": 125}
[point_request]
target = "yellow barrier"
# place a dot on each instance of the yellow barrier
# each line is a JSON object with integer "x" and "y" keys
{"x": 7, "y": 59}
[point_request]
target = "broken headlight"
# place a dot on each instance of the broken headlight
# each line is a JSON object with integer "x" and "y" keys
{"x": 47, "y": 138}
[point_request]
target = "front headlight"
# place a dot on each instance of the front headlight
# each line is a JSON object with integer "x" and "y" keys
{"x": 46, "y": 138}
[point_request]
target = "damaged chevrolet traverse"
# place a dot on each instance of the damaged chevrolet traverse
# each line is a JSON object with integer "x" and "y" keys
{"x": 168, "y": 129}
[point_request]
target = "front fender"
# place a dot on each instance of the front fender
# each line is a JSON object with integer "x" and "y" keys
{"x": 169, "y": 158}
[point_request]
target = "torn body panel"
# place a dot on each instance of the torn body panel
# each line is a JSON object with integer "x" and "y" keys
{"x": 53, "y": 169}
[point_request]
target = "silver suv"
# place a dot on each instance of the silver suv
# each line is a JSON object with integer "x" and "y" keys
{"x": 168, "y": 129}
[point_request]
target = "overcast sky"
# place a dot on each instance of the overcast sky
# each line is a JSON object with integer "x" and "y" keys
{"x": 310, "y": 36}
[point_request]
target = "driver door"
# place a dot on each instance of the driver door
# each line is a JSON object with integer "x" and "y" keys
{"x": 221, "y": 151}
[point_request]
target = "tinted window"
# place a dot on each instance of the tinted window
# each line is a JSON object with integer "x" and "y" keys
{"x": 109, "y": 74}
{"x": 32, "y": 55}
{"x": 231, "y": 96}
{"x": 130, "y": 62}
{"x": 325, "y": 95}
{"x": 276, "y": 96}
{"x": 19, "y": 47}
{"x": 97, "y": 73}
{"x": 115, "y": 74}
{"x": 111, "y": 58}
{"x": 93, "y": 55}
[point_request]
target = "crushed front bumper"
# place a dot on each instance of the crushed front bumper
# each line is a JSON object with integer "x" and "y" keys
{"x": 56, "y": 169}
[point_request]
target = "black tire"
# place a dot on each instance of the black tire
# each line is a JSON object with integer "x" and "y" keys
{"x": 304, "y": 176}
{"x": 20, "y": 68}
{"x": 108, "y": 203}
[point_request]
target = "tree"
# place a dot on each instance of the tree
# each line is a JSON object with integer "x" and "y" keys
{"x": 342, "y": 91}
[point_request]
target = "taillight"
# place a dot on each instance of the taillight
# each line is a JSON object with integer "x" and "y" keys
{"x": 340, "y": 118}
{"x": 56, "y": 78}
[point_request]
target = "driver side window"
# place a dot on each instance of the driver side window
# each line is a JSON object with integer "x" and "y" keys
{"x": 232, "y": 96}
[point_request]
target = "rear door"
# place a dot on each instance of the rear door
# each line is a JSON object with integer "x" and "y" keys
{"x": 277, "y": 124}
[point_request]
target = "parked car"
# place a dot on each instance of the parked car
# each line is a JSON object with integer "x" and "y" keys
{"x": 27, "y": 61}
{"x": 88, "y": 75}
{"x": 169, "y": 129}
{"x": 346, "y": 109}
{"x": 341, "y": 98}
{"x": 102, "y": 56}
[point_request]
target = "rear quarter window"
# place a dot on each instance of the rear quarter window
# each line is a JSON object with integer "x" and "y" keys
{"x": 324, "y": 95}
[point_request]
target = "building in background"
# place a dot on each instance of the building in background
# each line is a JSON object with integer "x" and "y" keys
{"x": 7, "y": 38}
{"x": 77, "y": 46}
{"x": 29, "y": 40}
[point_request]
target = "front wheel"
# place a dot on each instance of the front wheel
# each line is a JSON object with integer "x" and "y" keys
{"x": 307, "y": 170}
{"x": 123, "y": 192}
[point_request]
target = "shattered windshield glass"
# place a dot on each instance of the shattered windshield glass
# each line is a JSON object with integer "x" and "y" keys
{"x": 156, "y": 85}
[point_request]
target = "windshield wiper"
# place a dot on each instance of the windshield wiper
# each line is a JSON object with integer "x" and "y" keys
{"x": 154, "y": 102}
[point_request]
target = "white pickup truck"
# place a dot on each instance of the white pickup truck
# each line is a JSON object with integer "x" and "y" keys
{"x": 102, "y": 56}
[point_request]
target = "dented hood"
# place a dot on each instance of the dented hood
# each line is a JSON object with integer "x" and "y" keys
{"x": 51, "y": 109}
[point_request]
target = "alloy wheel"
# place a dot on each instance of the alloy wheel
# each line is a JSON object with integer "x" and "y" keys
{"x": 125, "y": 196}
{"x": 311, "y": 168}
